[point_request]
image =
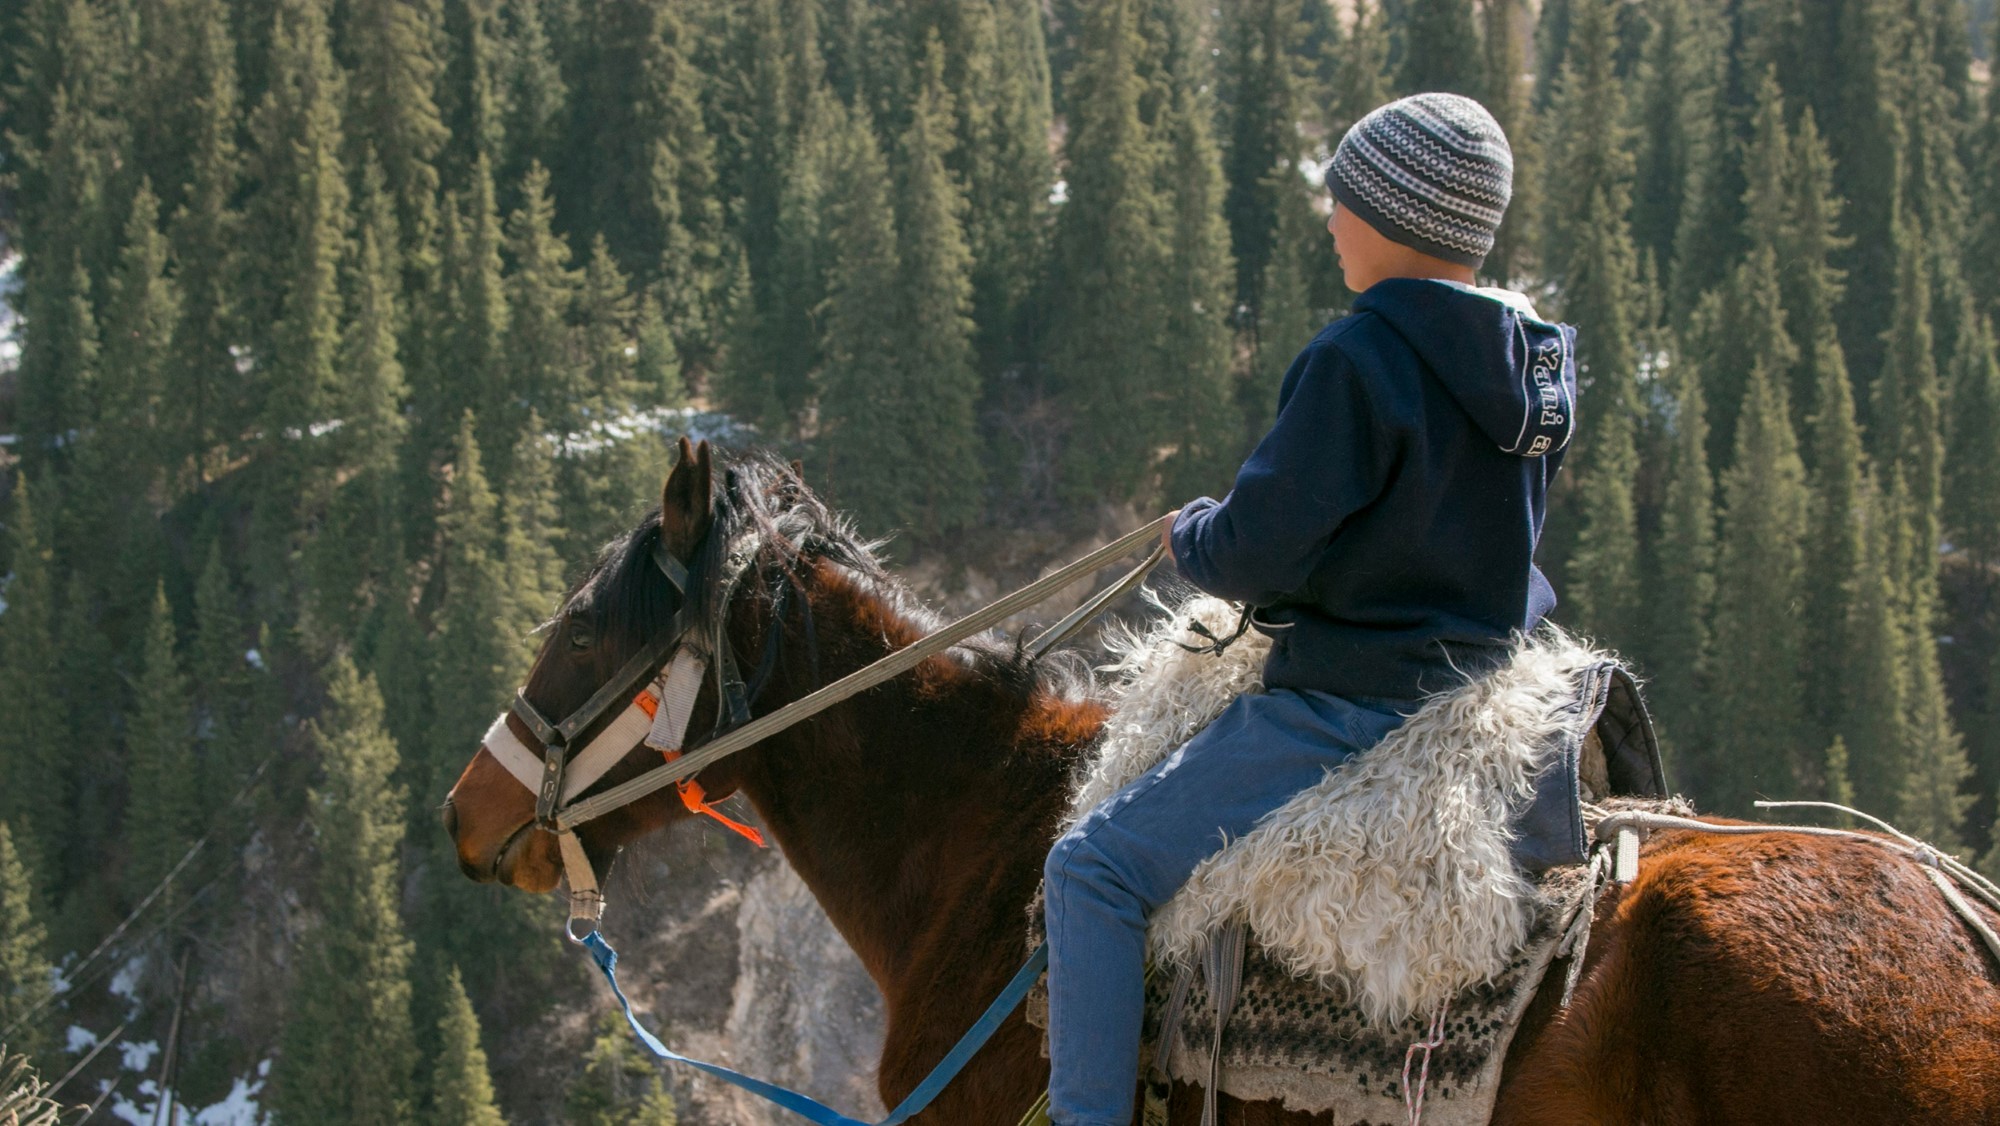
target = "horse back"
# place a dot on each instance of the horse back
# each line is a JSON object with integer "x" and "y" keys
{"x": 1766, "y": 979}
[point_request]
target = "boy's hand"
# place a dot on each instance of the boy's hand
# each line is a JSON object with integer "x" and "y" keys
{"x": 1167, "y": 532}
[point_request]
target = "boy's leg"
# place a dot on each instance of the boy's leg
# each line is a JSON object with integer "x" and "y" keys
{"x": 1130, "y": 855}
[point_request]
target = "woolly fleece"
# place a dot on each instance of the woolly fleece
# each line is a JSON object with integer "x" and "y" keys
{"x": 1390, "y": 881}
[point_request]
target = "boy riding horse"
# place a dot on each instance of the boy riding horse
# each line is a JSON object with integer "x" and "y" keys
{"x": 1382, "y": 534}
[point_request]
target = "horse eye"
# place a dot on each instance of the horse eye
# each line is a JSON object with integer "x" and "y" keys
{"x": 579, "y": 637}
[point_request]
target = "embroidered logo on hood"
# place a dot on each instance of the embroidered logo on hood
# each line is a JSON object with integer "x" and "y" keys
{"x": 1512, "y": 371}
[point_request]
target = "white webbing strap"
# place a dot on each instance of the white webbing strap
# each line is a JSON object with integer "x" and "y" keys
{"x": 677, "y": 691}
{"x": 586, "y": 900}
{"x": 511, "y": 752}
{"x": 662, "y": 727}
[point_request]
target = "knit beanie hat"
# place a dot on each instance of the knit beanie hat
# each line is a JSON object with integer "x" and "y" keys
{"x": 1432, "y": 171}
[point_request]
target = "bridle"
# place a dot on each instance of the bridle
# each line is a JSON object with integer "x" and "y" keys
{"x": 657, "y": 688}
{"x": 659, "y": 685}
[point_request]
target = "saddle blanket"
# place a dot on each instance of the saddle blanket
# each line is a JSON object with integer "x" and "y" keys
{"x": 1291, "y": 1041}
{"x": 1394, "y": 889}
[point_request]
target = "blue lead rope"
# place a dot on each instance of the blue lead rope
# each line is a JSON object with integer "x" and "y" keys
{"x": 948, "y": 1068}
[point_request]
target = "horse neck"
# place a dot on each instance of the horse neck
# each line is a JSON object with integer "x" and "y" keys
{"x": 919, "y": 812}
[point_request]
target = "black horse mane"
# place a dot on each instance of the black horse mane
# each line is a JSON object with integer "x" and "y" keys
{"x": 764, "y": 510}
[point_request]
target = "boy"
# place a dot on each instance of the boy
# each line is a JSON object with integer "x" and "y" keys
{"x": 1383, "y": 533}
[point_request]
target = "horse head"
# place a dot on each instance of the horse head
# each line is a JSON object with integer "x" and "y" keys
{"x": 627, "y": 605}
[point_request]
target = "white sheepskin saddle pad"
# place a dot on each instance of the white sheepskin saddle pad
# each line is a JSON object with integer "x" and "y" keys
{"x": 1372, "y": 900}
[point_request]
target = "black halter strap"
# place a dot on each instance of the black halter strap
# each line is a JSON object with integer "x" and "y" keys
{"x": 556, "y": 738}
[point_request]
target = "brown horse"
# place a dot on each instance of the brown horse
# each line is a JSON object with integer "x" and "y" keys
{"x": 1764, "y": 979}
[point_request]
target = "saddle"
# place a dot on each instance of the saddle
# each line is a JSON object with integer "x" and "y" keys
{"x": 1414, "y": 899}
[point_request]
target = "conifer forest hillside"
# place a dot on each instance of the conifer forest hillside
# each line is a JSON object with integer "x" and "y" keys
{"x": 338, "y": 334}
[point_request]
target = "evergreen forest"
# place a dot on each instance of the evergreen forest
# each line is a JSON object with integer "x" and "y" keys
{"x": 340, "y": 333}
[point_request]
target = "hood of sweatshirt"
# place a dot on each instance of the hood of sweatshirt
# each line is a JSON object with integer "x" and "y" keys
{"x": 1512, "y": 371}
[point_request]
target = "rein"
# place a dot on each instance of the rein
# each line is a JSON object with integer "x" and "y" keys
{"x": 658, "y": 687}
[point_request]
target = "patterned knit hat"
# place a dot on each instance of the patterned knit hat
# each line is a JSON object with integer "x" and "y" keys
{"x": 1432, "y": 171}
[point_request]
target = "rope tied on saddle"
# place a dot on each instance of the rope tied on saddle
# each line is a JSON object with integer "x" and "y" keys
{"x": 1420, "y": 1053}
{"x": 1945, "y": 871}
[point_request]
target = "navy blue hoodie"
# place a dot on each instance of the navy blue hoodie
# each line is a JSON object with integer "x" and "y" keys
{"x": 1385, "y": 528}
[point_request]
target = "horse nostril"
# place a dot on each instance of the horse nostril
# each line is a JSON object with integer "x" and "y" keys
{"x": 450, "y": 814}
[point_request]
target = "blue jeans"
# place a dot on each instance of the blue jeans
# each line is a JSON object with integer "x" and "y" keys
{"x": 1127, "y": 857}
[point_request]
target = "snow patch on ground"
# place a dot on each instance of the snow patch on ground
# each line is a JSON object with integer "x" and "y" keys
{"x": 79, "y": 1039}
{"x": 125, "y": 983}
{"x": 137, "y": 1055}
{"x": 10, "y": 319}
{"x": 668, "y": 422}
{"x": 238, "y": 1108}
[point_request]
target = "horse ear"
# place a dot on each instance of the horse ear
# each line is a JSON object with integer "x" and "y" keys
{"x": 686, "y": 501}
{"x": 799, "y": 470}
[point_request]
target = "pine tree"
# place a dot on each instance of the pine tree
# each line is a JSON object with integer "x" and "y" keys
{"x": 220, "y": 678}
{"x": 461, "y": 1088}
{"x": 470, "y": 99}
{"x": 31, "y": 754}
{"x": 370, "y": 397}
{"x": 1195, "y": 342}
{"x": 1839, "y": 788}
{"x": 1361, "y": 80}
{"x": 1752, "y": 327}
{"x": 644, "y": 166}
{"x": 200, "y": 414}
{"x": 478, "y": 318}
{"x": 164, "y": 816}
{"x": 534, "y": 93}
{"x": 1932, "y": 803}
{"x": 1758, "y": 637}
{"x": 656, "y": 362}
{"x": 868, "y": 462}
{"x": 1507, "y": 99}
{"x": 26, "y": 978}
{"x": 1983, "y": 203}
{"x": 1812, "y": 285}
{"x": 1289, "y": 317}
{"x": 139, "y": 325}
{"x": 392, "y": 108}
{"x": 618, "y": 1087}
{"x": 1587, "y": 150}
{"x": 59, "y": 360}
{"x": 1972, "y": 462}
{"x": 1441, "y": 49}
{"x": 1683, "y": 593}
{"x": 532, "y": 534}
{"x": 604, "y": 311}
{"x": 1109, "y": 254}
{"x": 1874, "y": 675}
{"x": 1677, "y": 129}
{"x": 939, "y": 387}
{"x": 349, "y": 1052}
{"x": 1904, "y": 425}
{"x": 540, "y": 290}
{"x": 1858, "y": 107}
{"x": 302, "y": 219}
{"x": 93, "y": 767}
{"x": 775, "y": 346}
{"x": 1003, "y": 160}
{"x": 1260, "y": 103}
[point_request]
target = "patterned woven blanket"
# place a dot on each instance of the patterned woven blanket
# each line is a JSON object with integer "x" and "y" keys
{"x": 1292, "y": 1041}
